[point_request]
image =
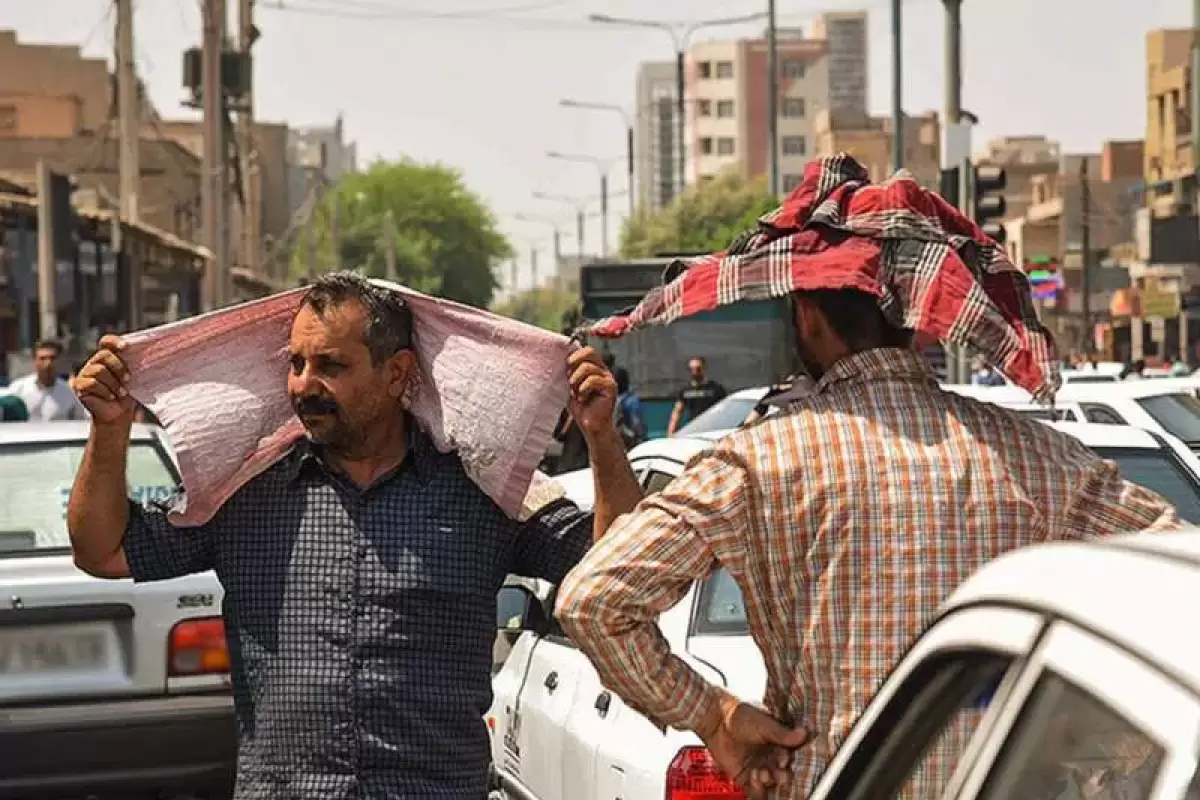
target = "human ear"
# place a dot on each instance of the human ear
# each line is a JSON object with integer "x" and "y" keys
{"x": 400, "y": 371}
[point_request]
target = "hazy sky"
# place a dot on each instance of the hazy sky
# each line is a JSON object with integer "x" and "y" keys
{"x": 482, "y": 95}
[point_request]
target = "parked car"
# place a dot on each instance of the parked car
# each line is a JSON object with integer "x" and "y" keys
{"x": 558, "y": 734}
{"x": 106, "y": 687}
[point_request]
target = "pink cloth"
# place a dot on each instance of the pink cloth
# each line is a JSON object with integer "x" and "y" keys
{"x": 489, "y": 387}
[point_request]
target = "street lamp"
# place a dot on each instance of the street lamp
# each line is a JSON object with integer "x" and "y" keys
{"x": 680, "y": 33}
{"x": 568, "y": 103}
{"x": 602, "y": 165}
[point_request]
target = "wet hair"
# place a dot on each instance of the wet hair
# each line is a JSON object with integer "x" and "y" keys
{"x": 621, "y": 375}
{"x": 49, "y": 344}
{"x": 857, "y": 319}
{"x": 389, "y": 325}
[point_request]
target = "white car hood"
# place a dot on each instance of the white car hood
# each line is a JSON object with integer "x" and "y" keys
{"x": 738, "y": 659}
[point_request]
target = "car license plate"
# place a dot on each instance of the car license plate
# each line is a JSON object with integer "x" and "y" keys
{"x": 31, "y": 651}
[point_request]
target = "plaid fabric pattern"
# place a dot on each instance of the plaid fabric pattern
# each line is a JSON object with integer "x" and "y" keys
{"x": 361, "y": 622}
{"x": 932, "y": 269}
{"x": 846, "y": 522}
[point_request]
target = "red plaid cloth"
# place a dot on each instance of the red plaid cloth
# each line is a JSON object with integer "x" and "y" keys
{"x": 932, "y": 269}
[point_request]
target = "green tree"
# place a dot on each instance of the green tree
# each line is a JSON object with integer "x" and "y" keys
{"x": 705, "y": 217}
{"x": 446, "y": 239}
{"x": 551, "y": 309}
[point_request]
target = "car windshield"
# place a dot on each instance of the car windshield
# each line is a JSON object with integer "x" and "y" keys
{"x": 35, "y": 482}
{"x": 1179, "y": 414}
{"x": 1160, "y": 472}
{"x": 726, "y": 415}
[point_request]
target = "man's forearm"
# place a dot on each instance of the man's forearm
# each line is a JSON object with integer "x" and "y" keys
{"x": 616, "y": 488}
{"x": 98, "y": 510}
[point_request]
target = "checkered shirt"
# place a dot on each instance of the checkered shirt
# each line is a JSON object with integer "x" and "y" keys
{"x": 846, "y": 522}
{"x": 361, "y": 623}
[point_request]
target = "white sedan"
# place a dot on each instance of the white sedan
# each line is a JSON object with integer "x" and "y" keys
{"x": 106, "y": 687}
{"x": 558, "y": 734}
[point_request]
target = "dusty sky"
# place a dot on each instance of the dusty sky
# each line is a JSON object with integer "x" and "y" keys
{"x": 478, "y": 87}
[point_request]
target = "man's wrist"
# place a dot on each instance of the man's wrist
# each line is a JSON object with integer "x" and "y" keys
{"x": 719, "y": 707}
{"x": 606, "y": 438}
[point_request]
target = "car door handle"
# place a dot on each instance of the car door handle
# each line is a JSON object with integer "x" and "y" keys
{"x": 551, "y": 682}
{"x": 603, "y": 701}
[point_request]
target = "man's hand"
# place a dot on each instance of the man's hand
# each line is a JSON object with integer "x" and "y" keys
{"x": 103, "y": 385}
{"x": 750, "y": 746}
{"x": 593, "y": 392}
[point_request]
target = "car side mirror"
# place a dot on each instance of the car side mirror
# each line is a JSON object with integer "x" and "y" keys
{"x": 519, "y": 609}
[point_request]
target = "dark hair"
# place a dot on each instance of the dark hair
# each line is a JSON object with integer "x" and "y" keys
{"x": 49, "y": 344}
{"x": 857, "y": 319}
{"x": 389, "y": 326}
{"x": 622, "y": 377}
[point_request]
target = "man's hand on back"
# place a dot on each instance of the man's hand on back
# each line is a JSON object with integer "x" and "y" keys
{"x": 103, "y": 385}
{"x": 749, "y": 745}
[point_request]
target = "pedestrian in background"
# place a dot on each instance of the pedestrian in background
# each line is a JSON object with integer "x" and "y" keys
{"x": 361, "y": 570}
{"x": 631, "y": 418}
{"x": 701, "y": 394}
{"x": 848, "y": 520}
{"x": 47, "y": 396}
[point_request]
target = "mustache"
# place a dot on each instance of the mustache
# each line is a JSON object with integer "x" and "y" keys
{"x": 311, "y": 405}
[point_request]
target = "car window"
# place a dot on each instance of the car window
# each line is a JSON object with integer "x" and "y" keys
{"x": 913, "y": 747}
{"x": 725, "y": 415}
{"x": 721, "y": 608}
{"x": 1179, "y": 414}
{"x": 35, "y": 483}
{"x": 1066, "y": 743}
{"x": 1101, "y": 414}
{"x": 657, "y": 481}
{"x": 1160, "y": 472}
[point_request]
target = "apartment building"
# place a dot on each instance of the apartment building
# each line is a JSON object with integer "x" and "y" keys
{"x": 845, "y": 35}
{"x": 727, "y": 84}
{"x": 869, "y": 139}
{"x": 655, "y": 146}
{"x": 1025, "y": 159}
{"x": 1168, "y": 152}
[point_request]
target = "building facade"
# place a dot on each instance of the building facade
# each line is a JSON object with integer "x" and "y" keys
{"x": 655, "y": 136}
{"x": 869, "y": 139}
{"x": 320, "y": 152}
{"x": 846, "y": 38}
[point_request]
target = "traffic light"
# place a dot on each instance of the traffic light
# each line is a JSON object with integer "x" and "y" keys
{"x": 990, "y": 206}
{"x": 948, "y": 187}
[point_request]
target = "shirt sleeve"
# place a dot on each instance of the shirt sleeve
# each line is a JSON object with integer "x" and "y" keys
{"x": 610, "y": 603}
{"x": 156, "y": 550}
{"x": 1105, "y": 504}
{"x": 552, "y": 541}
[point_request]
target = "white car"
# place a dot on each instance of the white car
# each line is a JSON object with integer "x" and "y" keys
{"x": 558, "y": 734}
{"x": 106, "y": 687}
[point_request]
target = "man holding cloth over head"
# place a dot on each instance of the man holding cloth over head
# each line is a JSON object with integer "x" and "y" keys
{"x": 847, "y": 519}
{"x": 360, "y": 570}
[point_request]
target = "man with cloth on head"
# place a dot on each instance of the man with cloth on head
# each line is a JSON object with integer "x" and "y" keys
{"x": 847, "y": 519}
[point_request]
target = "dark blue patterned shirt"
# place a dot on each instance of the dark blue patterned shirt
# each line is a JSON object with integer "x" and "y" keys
{"x": 361, "y": 622}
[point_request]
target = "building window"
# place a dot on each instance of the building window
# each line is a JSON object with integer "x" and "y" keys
{"x": 790, "y": 182}
{"x": 704, "y": 108}
{"x": 793, "y": 68}
{"x": 724, "y": 70}
{"x": 725, "y": 146}
{"x": 706, "y": 146}
{"x": 8, "y": 119}
{"x": 725, "y": 109}
{"x": 704, "y": 70}
{"x": 793, "y": 107}
{"x": 794, "y": 146}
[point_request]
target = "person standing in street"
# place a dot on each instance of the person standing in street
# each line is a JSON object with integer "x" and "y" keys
{"x": 631, "y": 418}
{"x": 47, "y": 396}
{"x": 849, "y": 518}
{"x": 701, "y": 394}
{"x": 361, "y": 570}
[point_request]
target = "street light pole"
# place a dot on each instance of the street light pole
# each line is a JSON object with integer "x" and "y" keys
{"x": 772, "y": 100}
{"x": 897, "y": 89}
{"x": 629, "y": 154}
{"x": 602, "y": 166}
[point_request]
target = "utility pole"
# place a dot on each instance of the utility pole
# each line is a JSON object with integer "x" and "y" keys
{"x": 1195, "y": 88}
{"x": 1085, "y": 212}
{"x": 533, "y": 268}
{"x": 558, "y": 265}
{"x": 335, "y": 227}
{"x": 248, "y": 150}
{"x": 603, "y": 215}
{"x": 681, "y": 126}
{"x": 214, "y": 194}
{"x": 47, "y": 263}
{"x": 898, "y": 88}
{"x": 389, "y": 235}
{"x": 579, "y": 223}
{"x": 127, "y": 111}
{"x": 773, "y": 100}
{"x": 957, "y": 364}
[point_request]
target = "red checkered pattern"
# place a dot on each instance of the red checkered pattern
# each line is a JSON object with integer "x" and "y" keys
{"x": 932, "y": 269}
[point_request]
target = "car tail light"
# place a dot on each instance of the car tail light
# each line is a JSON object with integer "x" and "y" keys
{"x": 197, "y": 647}
{"x": 693, "y": 775}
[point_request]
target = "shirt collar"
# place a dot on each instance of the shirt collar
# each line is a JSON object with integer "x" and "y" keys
{"x": 307, "y": 455}
{"x": 881, "y": 363}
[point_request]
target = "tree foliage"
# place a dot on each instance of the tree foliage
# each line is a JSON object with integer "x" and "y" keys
{"x": 551, "y": 309}
{"x": 446, "y": 240}
{"x": 705, "y": 217}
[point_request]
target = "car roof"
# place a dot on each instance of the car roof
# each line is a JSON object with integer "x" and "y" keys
{"x": 72, "y": 431}
{"x": 1128, "y": 589}
{"x": 1108, "y": 435}
{"x": 755, "y": 393}
{"x": 677, "y": 448}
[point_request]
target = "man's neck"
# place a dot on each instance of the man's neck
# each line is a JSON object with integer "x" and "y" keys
{"x": 47, "y": 384}
{"x": 387, "y": 450}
